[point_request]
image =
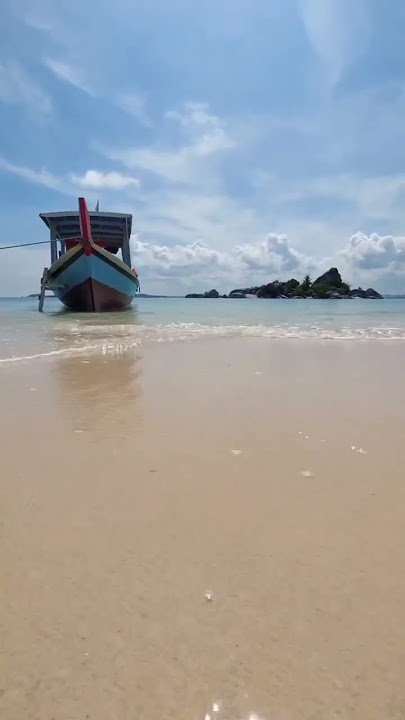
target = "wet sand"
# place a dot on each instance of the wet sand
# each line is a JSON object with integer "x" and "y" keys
{"x": 132, "y": 486}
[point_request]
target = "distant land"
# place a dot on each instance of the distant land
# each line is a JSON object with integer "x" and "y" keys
{"x": 168, "y": 297}
{"x": 139, "y": 295}
{"x": 327, "y": 286}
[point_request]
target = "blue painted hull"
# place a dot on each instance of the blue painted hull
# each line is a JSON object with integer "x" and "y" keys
{"x": 98, "y": 282}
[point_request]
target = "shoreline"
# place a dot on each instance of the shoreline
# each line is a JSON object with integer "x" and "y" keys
{"x": 145, "y": 338}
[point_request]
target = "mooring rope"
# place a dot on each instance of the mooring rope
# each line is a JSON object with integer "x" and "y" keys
{"x": 9, "y": 247}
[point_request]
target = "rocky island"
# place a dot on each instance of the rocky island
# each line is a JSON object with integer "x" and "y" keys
{"x": 327, "y": 286}
{"x": 209, "y": 294}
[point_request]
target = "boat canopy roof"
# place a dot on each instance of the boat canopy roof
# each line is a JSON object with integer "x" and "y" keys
{"x": 113, "y": 228}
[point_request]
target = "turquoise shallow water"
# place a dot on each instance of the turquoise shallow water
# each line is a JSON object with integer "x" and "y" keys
{"x": 26, "y": 334}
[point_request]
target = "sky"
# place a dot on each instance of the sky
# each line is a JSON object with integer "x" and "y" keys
{"x": 250, "y": 139}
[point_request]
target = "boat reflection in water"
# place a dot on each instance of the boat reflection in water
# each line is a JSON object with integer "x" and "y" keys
{"x": 100, "y": 391}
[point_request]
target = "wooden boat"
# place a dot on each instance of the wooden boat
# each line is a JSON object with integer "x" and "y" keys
{"x": 86, "y": 274}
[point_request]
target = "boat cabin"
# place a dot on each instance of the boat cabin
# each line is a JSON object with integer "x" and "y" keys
{"x": 111, "y": 231}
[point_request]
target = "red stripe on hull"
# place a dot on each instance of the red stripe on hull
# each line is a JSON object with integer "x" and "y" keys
{"x": 93, "y": 296}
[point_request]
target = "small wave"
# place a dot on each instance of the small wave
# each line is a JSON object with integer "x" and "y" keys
{"x": 185, "y": 331}
{"x": 180, "y": 330}
{"x": 99, "y": 348}
{"x": 117, "y": 339}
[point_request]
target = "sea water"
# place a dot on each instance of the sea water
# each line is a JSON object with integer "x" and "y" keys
{"x": 26, "y": 334}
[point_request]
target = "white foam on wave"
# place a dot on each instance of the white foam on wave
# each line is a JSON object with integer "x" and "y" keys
{"x": 185, "y": 330}
{"x": 107, "y": 348}
{"x": 112, "y": 338}
{"x": 176, "y": 331}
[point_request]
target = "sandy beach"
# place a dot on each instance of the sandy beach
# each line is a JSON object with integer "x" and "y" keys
{"x": 268, "y": 473}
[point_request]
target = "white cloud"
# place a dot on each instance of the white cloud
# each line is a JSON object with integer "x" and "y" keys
{"x": 273, "y": 254}
{"x": 207, "y": 134}
{"x": 66, "y": 72}
{"x": 71, "y": 184}
{"x": 371, "y": 253}
{"x": 38, "y": 177}
{"x": 373, "y": 197}
{"x": 375, "y": 260}
{"x": 195, "y": 116}
{"x": 38, "y": 22}
{"x": 17, "y": 87}
{"x": 173, "y": 215}
{"x": 204, "y": 138}
{"x": 97, "y": 180}
{"x": 337, "y": 30}
{"x": 134, "y": 105}
{"x": 181, "y": 262}
{"x": 196, "y": 264}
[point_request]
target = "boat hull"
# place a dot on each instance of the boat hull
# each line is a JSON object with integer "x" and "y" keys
{"x": 92, "y": 282}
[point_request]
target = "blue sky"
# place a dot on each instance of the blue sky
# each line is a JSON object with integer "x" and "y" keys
{"x": 250, "y": 139}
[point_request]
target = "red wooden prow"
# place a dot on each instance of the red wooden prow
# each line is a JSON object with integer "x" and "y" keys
{"x": 85, "y": 226}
